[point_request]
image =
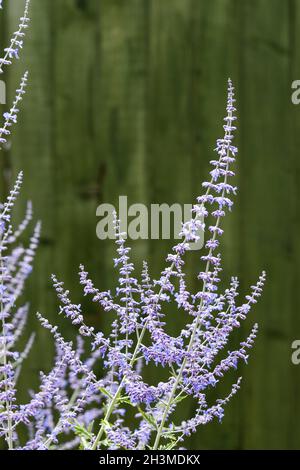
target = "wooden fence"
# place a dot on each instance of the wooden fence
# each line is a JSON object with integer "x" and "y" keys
{"x": 127, "y": 97}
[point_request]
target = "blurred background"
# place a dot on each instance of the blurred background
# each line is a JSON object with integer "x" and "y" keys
{"x": 127, "y": 97}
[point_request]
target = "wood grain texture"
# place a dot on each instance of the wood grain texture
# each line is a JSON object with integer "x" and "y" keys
{"x": 127, "y": 98}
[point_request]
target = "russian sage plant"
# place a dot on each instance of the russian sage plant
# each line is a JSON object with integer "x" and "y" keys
{"x": 32, "y": 425}
{"x": 139, "y": 334}
{"x": 75, "y": 407}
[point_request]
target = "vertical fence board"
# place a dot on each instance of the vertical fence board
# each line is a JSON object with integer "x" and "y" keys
{"x": 31, "y": 150}
{"x": 264, "y": 170}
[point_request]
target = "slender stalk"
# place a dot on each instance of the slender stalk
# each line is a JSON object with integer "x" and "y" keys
{"x": 118, "y": 392}
{"x": 9, "y": 436}
{"x": 191, "y": 342}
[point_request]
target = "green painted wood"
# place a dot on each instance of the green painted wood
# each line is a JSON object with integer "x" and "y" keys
{"x": 127, "y": 98}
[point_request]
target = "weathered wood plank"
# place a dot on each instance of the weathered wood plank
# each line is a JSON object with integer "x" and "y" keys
{"x": 266, "y": 153}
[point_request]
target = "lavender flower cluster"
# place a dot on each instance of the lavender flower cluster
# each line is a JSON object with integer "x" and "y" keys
{"x": 75, "y": 406}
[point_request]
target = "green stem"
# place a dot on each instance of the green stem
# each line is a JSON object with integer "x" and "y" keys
{"x": 191, "y": 343}
{"x": 107, "y": 416}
